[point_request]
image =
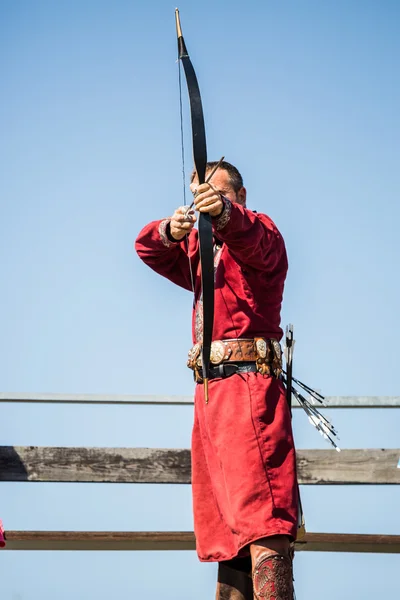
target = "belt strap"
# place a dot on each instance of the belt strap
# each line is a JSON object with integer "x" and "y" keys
{"x": 263, "y": 354}
{"x": 225, "y": 370}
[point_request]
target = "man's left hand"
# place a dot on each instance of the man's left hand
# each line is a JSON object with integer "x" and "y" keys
{"x": 207, "y": 199}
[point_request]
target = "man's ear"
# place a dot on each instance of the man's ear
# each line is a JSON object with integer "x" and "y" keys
{"x": 241, "y": 196}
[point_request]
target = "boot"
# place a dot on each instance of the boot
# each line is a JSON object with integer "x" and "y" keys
{"x": 233, "y": 582}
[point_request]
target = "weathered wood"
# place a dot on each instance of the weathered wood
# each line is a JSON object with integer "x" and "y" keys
{"x": 95, "y": 399}
{"x": 107, "y": 465}
{"x": 99, "y": 540}
{"x": 362, "y": 402}
{"x": 331, "y": 401}
{"x": 151, "y": 465}
{"x": 184, "y": 540}
{"x": 349, "y": 542}
{"x": 375, "y": 466}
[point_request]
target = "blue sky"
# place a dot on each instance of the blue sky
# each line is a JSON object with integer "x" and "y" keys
{"x": 303, "y": 98}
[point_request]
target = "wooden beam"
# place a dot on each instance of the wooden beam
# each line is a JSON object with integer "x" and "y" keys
{"x": 154, "y": 465}
{"x": 99, "y": 540}
{"x": 362, "y": 402}
{"x": 184, "y": 540}
{"x": 331, "y": 401}
{"x": 95, "y": 399}
{"x": 349, "y": 542}
{"x": 105, "y": 465}
{"x": 375, "y": 466}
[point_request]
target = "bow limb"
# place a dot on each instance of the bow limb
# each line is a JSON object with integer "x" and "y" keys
{"x": 205, "y": 224}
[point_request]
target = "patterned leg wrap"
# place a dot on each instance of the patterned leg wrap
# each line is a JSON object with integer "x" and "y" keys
{"x": 273, "y": 578}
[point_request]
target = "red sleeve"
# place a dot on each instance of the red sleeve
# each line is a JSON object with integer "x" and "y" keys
{"x": 169, "y": 259}
{"x": 252, "y": 238}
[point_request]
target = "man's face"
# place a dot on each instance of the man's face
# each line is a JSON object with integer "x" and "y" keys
{"x": 222, "y": 183}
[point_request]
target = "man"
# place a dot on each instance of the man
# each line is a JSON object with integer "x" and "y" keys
{"x": 243, "y": 459}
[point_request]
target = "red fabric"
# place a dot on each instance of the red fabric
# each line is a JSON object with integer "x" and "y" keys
{"x": 2, "y": 539}
{"x": 249, "y": 278}
{"x": 243, "y": 465}
{"x": 243, "y": 459}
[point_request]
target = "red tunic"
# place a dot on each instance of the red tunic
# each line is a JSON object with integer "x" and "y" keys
{"x": 243, "y": 459}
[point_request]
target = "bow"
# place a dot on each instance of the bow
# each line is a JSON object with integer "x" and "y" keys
{"x": 205, "y": 224}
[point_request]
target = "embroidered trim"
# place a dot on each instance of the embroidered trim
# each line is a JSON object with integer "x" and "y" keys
{"x": 217, "y": 258}
{"x": 198, "y": 321}
{"x": 162, "y": 230}
{"x": 221, "y": 221}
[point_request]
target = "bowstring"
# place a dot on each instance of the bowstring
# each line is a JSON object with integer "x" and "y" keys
{"x": 183, "y": 167}
{"x": 182, "y": 137}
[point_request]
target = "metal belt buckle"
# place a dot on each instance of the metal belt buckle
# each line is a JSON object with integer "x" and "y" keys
{"x": 261, "y": 346}
{"x": 277, "y": 349}
{"x": 219, "y": 352}
{"x": 194, "y": 356}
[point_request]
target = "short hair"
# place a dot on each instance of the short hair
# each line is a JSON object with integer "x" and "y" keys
{"x": 235, "y": 177}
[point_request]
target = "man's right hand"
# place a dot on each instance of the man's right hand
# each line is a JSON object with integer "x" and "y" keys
{"x": 182, "y": 222}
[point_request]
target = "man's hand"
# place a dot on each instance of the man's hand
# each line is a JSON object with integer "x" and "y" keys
{"x": 182, "y": 222}
{"x": 207, "y": 199}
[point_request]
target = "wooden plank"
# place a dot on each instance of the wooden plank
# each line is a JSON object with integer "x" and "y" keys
{"x": 184, "y": 540}
{"x": 154, "y": 465}
{"x": 99, "y": 540}
{"x": 106, "y": 465}
{"x": 349, "y": 542}
{"x": 375, "y": 466}
{"x": 362, "y": 401}
{"x": 95, "y": 399}
{"x": 331, "y": 401}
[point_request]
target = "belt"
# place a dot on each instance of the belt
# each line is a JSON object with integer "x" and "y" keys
{"x": 228, "y": 369}
{"x": 241, "y": 355}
